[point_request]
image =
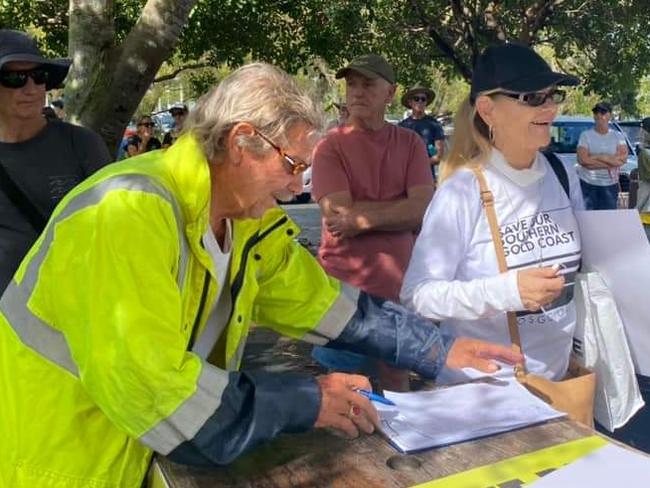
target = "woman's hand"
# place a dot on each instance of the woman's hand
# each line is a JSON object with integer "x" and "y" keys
{"x": 344, "y": 409}
{"x": 539, "y": 287}
{"x": 480, "y": 355}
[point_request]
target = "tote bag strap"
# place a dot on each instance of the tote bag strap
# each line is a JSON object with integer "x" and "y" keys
{"x": 487, "y": 198}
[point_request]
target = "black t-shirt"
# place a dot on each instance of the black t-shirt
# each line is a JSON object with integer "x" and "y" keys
{"x": 427, "y": 127}
{"x": 170, "y": 138}
{"x": 45, "y": 168}
{"x": 135, "y": 140}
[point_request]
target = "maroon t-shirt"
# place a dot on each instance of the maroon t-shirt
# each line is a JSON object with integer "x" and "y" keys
{"x": 373, "y": 166}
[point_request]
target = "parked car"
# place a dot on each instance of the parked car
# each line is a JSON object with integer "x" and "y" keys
{"x": 565, "y": 133}
{"x": 632, "y": 129}
{"x": 305, "y": 196}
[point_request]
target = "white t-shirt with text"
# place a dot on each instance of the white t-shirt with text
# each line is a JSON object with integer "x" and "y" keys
{"x": 453, "y": 274}
{"x": 597, "y": 143}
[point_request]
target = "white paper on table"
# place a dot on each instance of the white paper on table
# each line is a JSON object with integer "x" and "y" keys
{"x": 614, "y": 244}
{"x": 425, "y": 419}
{"x": 606, "y": 467}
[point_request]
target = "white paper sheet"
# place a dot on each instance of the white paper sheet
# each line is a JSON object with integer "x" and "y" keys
{"x": 615, "y": 245}
{"x": 426, "y": 419}
{"x": 607, "y": 467}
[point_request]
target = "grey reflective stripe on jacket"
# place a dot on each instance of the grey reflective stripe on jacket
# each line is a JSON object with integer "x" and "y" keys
{"x": 191, "y": 415}
{"x": 336, "y": 318}
{"x": 35, "y": 333}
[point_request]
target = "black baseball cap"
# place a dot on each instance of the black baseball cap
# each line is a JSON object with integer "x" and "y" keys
{"x": 514, "y": 67}
{"x": 371, "y": 66}
{"x": 18, "y": 46}
{"x": 602, "y": 107}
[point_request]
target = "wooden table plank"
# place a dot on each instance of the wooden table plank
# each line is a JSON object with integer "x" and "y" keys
{"x": 321, "y": 458}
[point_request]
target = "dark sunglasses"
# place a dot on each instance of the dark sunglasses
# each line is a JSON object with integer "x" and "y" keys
{"x": 419, "y": 99}
{"x": 536, "y": 99}
{"x": 177, "y": 113}
{"x": 293, "y": 165}
{"x": 18, "y": 79}
{"x": 146, "y": 124}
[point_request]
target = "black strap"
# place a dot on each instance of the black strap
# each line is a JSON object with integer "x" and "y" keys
{"x": 559, "y": 170}
{"x": 21, "y": 201}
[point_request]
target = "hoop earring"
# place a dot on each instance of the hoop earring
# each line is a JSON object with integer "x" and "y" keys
{"x": 491, "y": 134}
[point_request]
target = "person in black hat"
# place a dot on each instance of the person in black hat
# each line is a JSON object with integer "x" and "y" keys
{"x": 372, "y": 181}
{"x": 40, "y": 159}
{"x": 179, "y": 112}
{"x": 427, "y": 127}
{"x": 453, "y": 274}
{"x": 601, "y": 151}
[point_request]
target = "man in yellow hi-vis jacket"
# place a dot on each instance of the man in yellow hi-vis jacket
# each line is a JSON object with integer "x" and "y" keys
{"x": 122, "y": 331}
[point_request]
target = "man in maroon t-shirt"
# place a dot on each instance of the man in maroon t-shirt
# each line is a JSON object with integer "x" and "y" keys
{"x": 373, "y": 183}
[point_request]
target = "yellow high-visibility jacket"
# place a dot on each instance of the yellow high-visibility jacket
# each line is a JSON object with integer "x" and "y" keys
{"x": 96, "y": 330}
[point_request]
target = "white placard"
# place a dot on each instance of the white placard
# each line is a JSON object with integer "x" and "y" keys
{"x": 614, "y": 244}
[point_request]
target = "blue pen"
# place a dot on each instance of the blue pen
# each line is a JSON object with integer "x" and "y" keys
{"x": 373, "y": 397}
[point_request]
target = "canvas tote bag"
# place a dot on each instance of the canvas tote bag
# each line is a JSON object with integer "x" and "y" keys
{"x": 575, "y": 394}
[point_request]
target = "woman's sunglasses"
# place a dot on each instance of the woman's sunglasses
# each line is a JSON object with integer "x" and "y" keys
{"x": 536, "y": 99}
{"x": 419, "y": 99}
{"x": 18, "y": 79}
{"x": 146, "y": 124}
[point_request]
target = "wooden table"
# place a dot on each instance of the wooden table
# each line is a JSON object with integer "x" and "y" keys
{"x": 321, "y": 458}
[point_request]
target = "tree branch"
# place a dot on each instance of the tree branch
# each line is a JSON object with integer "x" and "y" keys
{"x": 175, "y": 73}
{"x": 445, "y": 47}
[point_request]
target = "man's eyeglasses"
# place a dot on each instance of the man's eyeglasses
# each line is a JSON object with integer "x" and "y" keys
{"x": 536, "y": 99}
{"x": 18, "y": 79}
{"x": 419, "y": 99}
{"x": 147, "y": 124}
{"x": 293, "y": 164}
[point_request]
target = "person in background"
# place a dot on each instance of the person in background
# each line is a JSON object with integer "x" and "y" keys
{"x": 124, "y": 329}
{"x": 49, "y": 113}
{"x": 179, "y": 113}
{"x": 343, "y": 114}
{"x": 427, "y": 127}
{"x": 372, "y": 181}
{"x": 601, "y": 151}
{"x": 453, "y": 276}
{"x": 40, "y": 159}
{"x": 58, "y": 107}
{"x": 643, "y": 194}
{"x": 143, "y": 141}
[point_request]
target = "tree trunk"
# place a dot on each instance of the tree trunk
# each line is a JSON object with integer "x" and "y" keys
{"x": 107, "y": 80}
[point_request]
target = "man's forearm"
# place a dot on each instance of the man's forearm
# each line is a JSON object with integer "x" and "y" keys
{"x": 388, "y": 331}
{"x": 395, "y": 215}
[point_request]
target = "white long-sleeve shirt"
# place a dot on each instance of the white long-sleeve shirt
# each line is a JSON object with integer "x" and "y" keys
{"x": 453, "y": 274}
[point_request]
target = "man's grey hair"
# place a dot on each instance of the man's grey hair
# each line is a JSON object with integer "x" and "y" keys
{"x": 257, "y": 93}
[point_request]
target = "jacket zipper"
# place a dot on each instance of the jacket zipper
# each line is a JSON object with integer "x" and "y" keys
{"x": 239, "y": 278}
{"x": 204, "y": 296}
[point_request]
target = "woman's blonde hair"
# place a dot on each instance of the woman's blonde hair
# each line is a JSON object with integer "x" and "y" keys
{"x": 471, "y": 144}
{"x": 259, "y": 94}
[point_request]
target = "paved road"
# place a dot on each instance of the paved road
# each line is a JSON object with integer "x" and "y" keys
{"x": 307, "y": 216}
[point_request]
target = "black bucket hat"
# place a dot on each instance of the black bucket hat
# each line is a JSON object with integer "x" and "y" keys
{"x": 514, "y": 67}
{"x": 427, "y": 92}
{"x": 18, "y": 46}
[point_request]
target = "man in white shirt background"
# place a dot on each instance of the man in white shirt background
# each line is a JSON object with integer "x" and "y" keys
{"x": 601, "y": 151}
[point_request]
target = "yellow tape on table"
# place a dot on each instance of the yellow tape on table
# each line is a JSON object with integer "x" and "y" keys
{"x": 520, "y": 470}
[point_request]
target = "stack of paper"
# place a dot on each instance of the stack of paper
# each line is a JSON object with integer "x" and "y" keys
{"x": 606, "y": 467}
{"x": 421, "y": 420}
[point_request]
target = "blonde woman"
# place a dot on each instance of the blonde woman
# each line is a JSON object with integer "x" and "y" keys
{"x": 453, "y": 275}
